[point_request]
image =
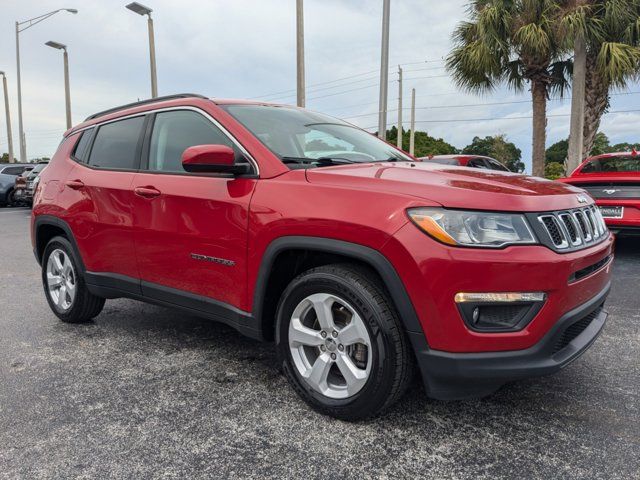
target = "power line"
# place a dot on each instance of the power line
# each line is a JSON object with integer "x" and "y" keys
{"x": 478, "y": 105}
{"x": 528, "y": 117}
{"x": 348, "y": 78}
{"x": 358, "y": 88}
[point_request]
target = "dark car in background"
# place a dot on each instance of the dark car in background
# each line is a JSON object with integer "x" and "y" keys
{"x": 25, "y": 195}
{"x": 20, "y": 187}
{"x": 613, "y": 179}
{"x": 473, "y": 161}
{"x": 8, "y": 175}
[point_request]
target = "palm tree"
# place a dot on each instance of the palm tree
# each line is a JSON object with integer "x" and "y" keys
{"x": 611, "y": 29}
{"x": 513, "y": 42}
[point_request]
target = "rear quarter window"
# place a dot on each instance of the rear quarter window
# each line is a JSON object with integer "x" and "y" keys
{"x": 81, "y": 150}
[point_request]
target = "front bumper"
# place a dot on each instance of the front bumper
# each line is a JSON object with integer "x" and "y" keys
{"x": 456, "y": 376}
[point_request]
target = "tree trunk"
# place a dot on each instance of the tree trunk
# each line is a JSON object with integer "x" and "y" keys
{"x": 539, "y": 99}
{"x": 596, "y": 103}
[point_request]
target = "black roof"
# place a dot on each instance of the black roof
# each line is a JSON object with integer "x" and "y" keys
{"x": 144, "y": 102}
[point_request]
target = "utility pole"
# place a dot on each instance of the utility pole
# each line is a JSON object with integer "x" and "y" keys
{"x": 67, "y": 93}
{"x": 384, "y": 71}
{"x": 8, "y": 117}
{"x": 412, "y": 134}
{"x": 300, "y": 53}
{"x": 576, "y": 132}
{"x": 399, "y": 143}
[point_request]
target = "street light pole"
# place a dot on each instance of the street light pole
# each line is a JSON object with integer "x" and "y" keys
{"x": 300, "y": 83}
{"x": 384, "y": 72}
{"x": 152, "y": 58}
{"x": 8, "y": 117}
{"x": 21, "y": 142}
{"x": 412, "y": 135}
{"x": 399, "y": 142}
{"x": 67, "y": 93}
{"x": 28, "y": 24}
{"x": 142, "y": 10}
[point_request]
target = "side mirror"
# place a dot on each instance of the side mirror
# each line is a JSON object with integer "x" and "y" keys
{"x": 212, "y": 159}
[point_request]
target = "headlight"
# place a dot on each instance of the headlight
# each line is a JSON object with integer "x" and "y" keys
{"x": 473, "y": 229}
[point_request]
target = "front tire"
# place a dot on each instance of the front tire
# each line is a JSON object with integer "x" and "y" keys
{"x": 341, "y": 344}
{"x": 64, "y": 286}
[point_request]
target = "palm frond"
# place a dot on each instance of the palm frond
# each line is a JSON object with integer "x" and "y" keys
{"x": 532, "y": 40}
{"x": 474, "y": 66}
{"x": 560, "y": 74}
{"x": 618, "y": 62}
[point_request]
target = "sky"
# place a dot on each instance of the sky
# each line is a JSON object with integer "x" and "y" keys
{"x": 246, "y": 49}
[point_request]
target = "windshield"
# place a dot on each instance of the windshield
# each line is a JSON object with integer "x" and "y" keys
{"x": 613, "y": 164}
{"x": 311, "y": 139}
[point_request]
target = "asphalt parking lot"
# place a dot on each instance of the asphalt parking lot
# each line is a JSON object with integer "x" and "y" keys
{"x": 148, "y": 392}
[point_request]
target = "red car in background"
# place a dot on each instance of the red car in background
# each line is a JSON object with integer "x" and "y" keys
{"x": 473, "y": 161}
{"x": 613, "y": 179}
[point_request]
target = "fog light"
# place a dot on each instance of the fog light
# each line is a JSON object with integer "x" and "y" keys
{"x": 500, "y": 297}
{"x": 499, "y": 312}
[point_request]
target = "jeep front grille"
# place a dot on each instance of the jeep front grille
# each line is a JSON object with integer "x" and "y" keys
{"x": 568, "y": 230}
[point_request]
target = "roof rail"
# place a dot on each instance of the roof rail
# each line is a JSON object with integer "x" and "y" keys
{"x": 144, "y": 102}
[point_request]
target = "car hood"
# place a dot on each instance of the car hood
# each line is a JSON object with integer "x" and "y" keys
{"x": 454, "y": 187}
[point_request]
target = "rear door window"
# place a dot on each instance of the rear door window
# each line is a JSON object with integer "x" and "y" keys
{"x": 117, "y": 145}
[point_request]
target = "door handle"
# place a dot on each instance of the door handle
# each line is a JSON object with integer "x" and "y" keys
{"x": 147, "y": 192}
{"x": 74, "y": 184}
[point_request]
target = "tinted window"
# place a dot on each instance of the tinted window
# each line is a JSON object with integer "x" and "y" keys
{"x": 495, "y": 165}
{"x": 444, "y": 161}
{"x": 13, "y": 170}
{"x": 477, "y": 163}
{"x": 116, "y": 144}
{"x": 174, "y": 132}
{"x": 613, "y": 164}
{"x": 81, "y": 150}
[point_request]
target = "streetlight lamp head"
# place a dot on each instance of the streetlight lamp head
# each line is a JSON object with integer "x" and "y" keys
{"x": 139, "y": 8}
{"x": 71, "y": 10}
{"x": 57, "y": 45}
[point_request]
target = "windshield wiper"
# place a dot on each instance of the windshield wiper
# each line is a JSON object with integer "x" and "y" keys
{"x": 322, "y": 161}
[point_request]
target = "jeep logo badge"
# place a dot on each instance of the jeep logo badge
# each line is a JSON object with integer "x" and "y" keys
{"x": 582, "y": 199}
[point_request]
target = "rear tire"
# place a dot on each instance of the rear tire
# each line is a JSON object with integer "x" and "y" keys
{"x": 11, "y": 199}
{"x": 64, "y": 285}
{"x": 357, "y": 363}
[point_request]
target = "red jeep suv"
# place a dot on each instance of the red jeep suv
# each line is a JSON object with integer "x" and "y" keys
{"x": 360, "y": 262}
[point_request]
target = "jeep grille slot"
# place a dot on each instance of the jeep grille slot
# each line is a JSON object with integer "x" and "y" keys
{"x": 569, "y": 230}
{"x": 555, "y": 232}
{"x": 581, "y": 218}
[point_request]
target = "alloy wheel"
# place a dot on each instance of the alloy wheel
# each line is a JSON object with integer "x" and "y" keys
{"x": 330, "y": 345}
{"x": 61, "y": 279}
